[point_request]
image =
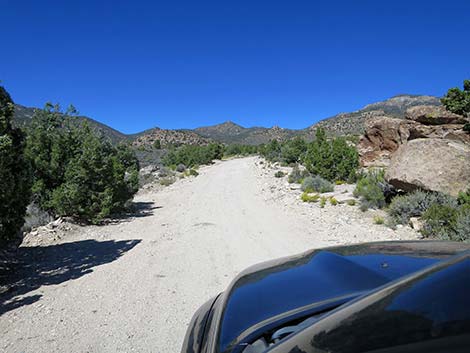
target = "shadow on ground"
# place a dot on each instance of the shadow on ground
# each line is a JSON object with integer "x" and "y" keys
{"x": 46, "y": 265}
{"x": 136, "y": 210}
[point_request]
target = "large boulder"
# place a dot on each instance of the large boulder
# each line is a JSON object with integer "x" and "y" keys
{"x": 431, "y": 164}
{"x": 453, "y": 132}
{"x": 433, "y": 115}
{"x": 382, "y": 138}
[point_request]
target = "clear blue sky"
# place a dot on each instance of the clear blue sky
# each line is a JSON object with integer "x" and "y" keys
{"x": 175, "y": 64}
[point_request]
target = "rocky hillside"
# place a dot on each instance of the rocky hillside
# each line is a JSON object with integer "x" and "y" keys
{"x": 354, "y": 123}
{"x": 169, "y": 137}
{"x": 23, "y": 115}
{"x": 341, "y": 124}
{"x": 229, "y": 132}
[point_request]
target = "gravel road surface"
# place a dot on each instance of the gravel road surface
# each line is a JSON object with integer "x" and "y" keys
{"x": 132, "y": 286}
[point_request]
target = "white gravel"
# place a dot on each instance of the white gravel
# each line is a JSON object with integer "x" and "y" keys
{"x": 196, "y": 236}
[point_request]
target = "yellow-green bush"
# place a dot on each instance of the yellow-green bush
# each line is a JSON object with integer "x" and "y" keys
{"x": 306, "y": 197}
{"x": 379, "y": 219}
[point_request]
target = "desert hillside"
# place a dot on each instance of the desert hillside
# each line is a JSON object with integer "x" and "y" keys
{"x": 352, "y": 123}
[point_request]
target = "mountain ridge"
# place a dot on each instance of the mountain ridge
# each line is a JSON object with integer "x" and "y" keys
{"x": 348, "y": 123}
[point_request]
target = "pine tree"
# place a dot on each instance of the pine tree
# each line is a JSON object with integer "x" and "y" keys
{"x": 15, "y": 180}
{"x": 331, "y": 159}
{"x": 78, "y": 172}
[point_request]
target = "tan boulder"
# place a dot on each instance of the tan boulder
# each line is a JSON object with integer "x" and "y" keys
{"x": 431, "y": 164}
{"x": 447, "y": 131}
{"x": 433, "y": 115}
{"x": 382, "y": 138}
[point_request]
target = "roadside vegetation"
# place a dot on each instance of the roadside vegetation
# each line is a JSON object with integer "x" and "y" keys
{"x": 64, "y": 168}
{"x": 193, "y": 155}
{"x": 441, "y": 216}
{"x": 15, "y": 173}
{"x": 320, "y": 165}
{"x": 458, "y": 101}
{"x": 68, "y": 169}
{"x": 75, "y": 171}
{"x": 333, "y": 159}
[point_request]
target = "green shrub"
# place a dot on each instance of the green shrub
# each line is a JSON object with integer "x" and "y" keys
{"x": 369, "y": 190}
{"x": 15, "y": 176}
{"x": 165, "y": 172}
{"x": 333, "y": 201}
{"x": 351, "y": 202}
{"x": 466, "y": 127}
{"x": 379, "y": 219}
{"x": 293, "y": 151}
{"x": 323, "y": 200}
{"x": 297, "y": 175}
{"x": 462, "y": 224}
{"x": 279, "y": 174}
{"x": 439, "y": 221}
{"x": 240, "y": 150}
{"x": 167, "y": 181}
{"x": 316, "y": 184}
{"x": 305, "y": 197}
{"x": 157, "y": 144}
{"x": 458, "y": 101}
{"x": 402, "y": 208}
{"x": 193, "y": 172}
{"x": 76, "y": 171}
{"x": 464, "y": 198}
{"x": 333, "y": 159}
{"x": 271, "y": 151}
{"x": 340, "y": 182}
{"x": 191, "y": 155}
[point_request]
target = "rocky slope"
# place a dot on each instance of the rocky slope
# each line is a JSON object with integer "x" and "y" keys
{"x": 354, "y": 123}
{"x": 229, "y": 132}
{"x": 23, "y": 115}
{"x": 170, "y": 137}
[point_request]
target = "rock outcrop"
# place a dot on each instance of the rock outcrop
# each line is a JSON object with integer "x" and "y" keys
{"x": 385, "y": 134}
{"x": 453, "y": 132}
{"x": 382, "y": 138}
{"x": 429, "y": 115}
{"x": 431, "y": 164}
{"x": 428, "y": 150}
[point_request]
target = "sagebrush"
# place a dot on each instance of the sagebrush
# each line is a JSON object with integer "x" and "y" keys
{"x": 316, "y": 184}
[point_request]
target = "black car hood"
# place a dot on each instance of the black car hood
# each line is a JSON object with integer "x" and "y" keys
{"x": 270, "y": 294}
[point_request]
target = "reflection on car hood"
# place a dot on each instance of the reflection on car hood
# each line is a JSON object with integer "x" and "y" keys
{"x": 276, "y": 288}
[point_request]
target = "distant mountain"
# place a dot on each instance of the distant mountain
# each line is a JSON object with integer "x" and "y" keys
{"x": 23, "y": 115}
{"x": 169, "y": 137}
{"x": 222, "y": 131}
{"x": 229, "y": 132}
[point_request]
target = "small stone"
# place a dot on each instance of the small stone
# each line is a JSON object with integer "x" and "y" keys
{"x": 416, "y": 223}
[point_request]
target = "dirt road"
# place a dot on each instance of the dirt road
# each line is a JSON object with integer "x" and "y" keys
{"x": 134, "y": 285}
